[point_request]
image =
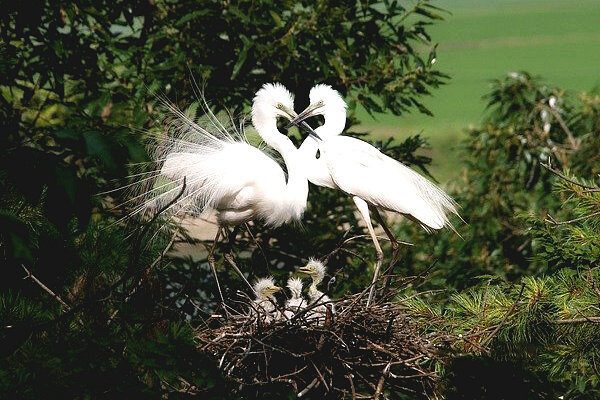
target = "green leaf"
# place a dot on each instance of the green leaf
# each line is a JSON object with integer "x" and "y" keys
{"x": 242, "y": 56}
{"x": 276, "y": 18}
{"x": 98, "y": 146}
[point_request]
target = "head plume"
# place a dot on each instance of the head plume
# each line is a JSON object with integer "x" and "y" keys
{"x": 318, "y": 267}
{"x": 328, "y": 95}
{"x": 295, "y": 286}
{"x": 271, "y": 101}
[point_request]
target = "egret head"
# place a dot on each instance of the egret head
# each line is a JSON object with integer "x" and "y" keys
{"x": 265, "y": 288}
{"x": 315, "y": 269}
{"x": 295, "y": 286}
{"x": 325, "y": 101}
{"x": 273, "y": 100}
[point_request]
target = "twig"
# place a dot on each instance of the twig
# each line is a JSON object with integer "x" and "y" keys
{"x": 211, "y": 263}
{"x": 165, "y": 251}
{"x": 384, "y": 374}
{"x": 565, "y": 128}
{"x": 582, "y": 218}
{"x": 508, "y": 314}
{"x": 320, "y": 375}
{"x": 46, "y": 288}
{"x": 583, "y": 320}
{"x": 349, "y": 376}
{"x": 229, "y": 258}
{"x": 138, "y": 243}
{"x": 314, "y": 383}
{"x": 566, "y": 178}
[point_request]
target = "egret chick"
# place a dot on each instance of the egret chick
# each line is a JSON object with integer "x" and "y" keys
{"x": 316, "y": 270}
{"x": 296, "y": 302}
{"x": 264, "y": 303}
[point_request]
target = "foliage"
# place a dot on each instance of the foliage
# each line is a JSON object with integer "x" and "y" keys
{"x": 91, "y": 307}
{"x": 528, "y": 123}
{"x": 542, "y": 318}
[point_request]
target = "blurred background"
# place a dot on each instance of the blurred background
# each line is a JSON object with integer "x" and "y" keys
{"x": 480, "y": 40}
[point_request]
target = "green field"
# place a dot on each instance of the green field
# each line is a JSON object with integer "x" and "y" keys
{"x": 481, "y": 40}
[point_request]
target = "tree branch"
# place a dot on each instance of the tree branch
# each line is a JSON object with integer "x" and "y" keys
{"x": 566, "y": 178}
{"x": 583, "y": 320}
{"x": 46, "y": 288}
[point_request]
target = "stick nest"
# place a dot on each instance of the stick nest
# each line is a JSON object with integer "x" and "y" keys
{"x": 359, "y": 352}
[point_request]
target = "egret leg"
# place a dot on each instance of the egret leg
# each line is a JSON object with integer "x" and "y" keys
{"x": 211, "y": 262}
{"x": 395, "y": 248}
{"x": 363, "y": 208}
{"x": 394, "y": 242}
{"x": 230, "y": 258}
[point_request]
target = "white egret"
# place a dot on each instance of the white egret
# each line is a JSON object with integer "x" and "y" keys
{"x": 316, "y": 271}
{"x": 296, "y": 302}
{"x": 242, "y": 182}
{"x": 263, "y": 306}
{"x": 223, "y": 172}
{"x": 372, "y": 178}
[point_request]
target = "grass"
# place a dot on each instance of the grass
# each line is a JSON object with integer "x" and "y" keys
{"x": 482, "y": 40}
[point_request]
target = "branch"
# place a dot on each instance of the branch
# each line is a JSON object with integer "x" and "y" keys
{"x": 46, "y": 288}
{"x": 566, "y": 178}
{"x": 565, "y": 128}
{"x": 314, "y": 383}
{"x": 138, "y": 243}
{"x": 508, "y": 314}
{"x": 582, "y": 218}
{"x": 583, "y": 320}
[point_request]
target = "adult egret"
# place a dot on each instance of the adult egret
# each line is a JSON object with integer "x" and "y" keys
{"x": 296, "y": 302}
{"x": 316, "y": 271}
{"x": 263, "y": 306}
{"x": 373, "y": 179}
{"x": 223, "y": 172}
{"x": 237, "y": 180}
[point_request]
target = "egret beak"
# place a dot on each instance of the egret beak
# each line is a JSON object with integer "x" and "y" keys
{"x": 307, "y": 113}
{"x": 293, "y": 116}
{"x": 311, "y": 132}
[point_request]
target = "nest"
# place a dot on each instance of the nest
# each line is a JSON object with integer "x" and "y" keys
{"x": 359, "y": 352}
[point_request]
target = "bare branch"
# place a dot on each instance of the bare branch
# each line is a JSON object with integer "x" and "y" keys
{"x": 45, "y": 288}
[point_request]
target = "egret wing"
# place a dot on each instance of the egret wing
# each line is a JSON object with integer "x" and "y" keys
{"x": 361, "y": 170}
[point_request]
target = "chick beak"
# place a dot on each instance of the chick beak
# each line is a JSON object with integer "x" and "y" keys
{"x": 304, "y": 270}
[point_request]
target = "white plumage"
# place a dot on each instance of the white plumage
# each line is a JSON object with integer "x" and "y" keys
{"x": 318, "y": 301}
{"x": 296, "y": 302}
{"x": 225, "y": 173}
{"x": 369, "y": 176}
{"x": 263, "y": 306}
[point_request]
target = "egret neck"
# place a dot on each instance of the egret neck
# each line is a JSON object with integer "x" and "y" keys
{"x": 297, "y": 183}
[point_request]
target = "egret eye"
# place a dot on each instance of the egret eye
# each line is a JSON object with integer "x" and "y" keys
{"x": 280, "y": 106}
{"x": 321, "y": 102}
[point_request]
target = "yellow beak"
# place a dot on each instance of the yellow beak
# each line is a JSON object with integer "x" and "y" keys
{"x": 305, "y": 270}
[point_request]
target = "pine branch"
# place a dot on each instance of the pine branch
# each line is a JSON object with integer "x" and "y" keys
{"x": 583, "y": 320}
{"x": 582, "y": 218}
{"x": 24, "y": 331}
{"x": 566, "y": 178}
